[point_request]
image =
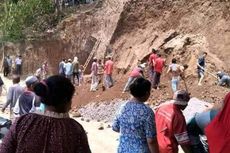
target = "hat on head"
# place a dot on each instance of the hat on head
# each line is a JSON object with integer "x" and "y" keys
{"x": 181, "y": 97}
{"x": 69, "y": 60}
{"x": 31, "y": 80}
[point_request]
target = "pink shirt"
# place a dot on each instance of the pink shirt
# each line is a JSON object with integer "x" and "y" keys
{"x": 159, "y": 64}
{"x": 135, "y": 72}
{"x": 152, "y": 58}
{"x": 109, "y": 67}
{"x": 94, "y": 68}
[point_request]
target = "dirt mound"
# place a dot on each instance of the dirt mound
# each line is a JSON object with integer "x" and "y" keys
{"x": 181, "y": 29}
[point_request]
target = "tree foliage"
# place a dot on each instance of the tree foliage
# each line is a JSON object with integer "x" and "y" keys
{"x": 17, "y": 16}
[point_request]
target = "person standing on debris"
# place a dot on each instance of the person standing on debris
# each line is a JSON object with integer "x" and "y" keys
{"x": 27, "y": 101}
{"x": 13, "y": 93}
{"x": 61, "y": 68}
{"x": 135, "y": 121}
{"x": 108, "y": 72}
{"x": 201, "y": 67}
{"x": 18, "y": 63}
{"x": 69, "y": 69}
{"x": 94, "y": 72}
{"x": 152, "y": 59}
{"x": 100, "y": 73}
{"x": 223, "y": 79}
{"x": 51, "y": 131}
{"x": 176, "y": 70}
{"x": 217, "y": 131}
{"x": 76, "y": 66}
{"x": 171, "y": 125}
{"x": 135, "y": 73}
{"x": 158, "y": 68}
{"x": 6, "y": 67}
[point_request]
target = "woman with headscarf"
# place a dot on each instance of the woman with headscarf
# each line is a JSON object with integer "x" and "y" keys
{"x": 52, "y": 131}
{"x": 217, "y": 132}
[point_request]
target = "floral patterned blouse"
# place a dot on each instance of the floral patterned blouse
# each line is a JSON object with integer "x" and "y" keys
{"x": 48, "y": 133}
{"x": 135, "y": 121}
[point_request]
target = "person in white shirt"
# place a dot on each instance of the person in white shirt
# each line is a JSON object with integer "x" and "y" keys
{"x": 69, "y": 69}
{"x": 18, "y": 63}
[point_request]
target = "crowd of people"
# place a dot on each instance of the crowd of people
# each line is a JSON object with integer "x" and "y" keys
{"x": 12, "y": 66}
{"x": 164, "y": 129}
{"x": 101, "y": 74}
{"x": 42, "y": 122}
{"x": 71, "y": 70}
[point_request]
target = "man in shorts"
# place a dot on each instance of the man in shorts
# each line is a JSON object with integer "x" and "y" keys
{"x": 201, "y": 67}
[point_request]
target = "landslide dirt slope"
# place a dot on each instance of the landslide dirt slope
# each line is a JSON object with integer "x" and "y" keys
{"x": 130, "y": 29}
{"x": 178, "y": 28}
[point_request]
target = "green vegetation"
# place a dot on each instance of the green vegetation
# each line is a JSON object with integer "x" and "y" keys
{"x": 20, "y": 18}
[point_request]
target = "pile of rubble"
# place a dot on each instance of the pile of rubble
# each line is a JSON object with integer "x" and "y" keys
{"x": 101, "y": 112}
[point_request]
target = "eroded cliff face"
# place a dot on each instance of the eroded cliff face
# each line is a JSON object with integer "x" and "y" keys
{"x": 74, "y": 36}
{"x": 179, "y": 28}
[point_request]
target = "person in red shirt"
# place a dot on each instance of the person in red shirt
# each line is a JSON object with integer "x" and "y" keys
{"x": 158, "y": 68}
{"x": 171, "y": 125}
{"x": 135, "y": 73}
{"x": 108, "y": 72}
{"x": 152, "y": 58}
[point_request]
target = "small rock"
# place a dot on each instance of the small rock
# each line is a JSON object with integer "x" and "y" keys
{"x": 87, "y": 120}
{"x": 82, "y": 119}
{"x": 109, "y": 126}
{"x": 76, "y": 114}
{"x": 101, "y": 127}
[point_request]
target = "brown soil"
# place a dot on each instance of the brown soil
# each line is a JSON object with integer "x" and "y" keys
{"x": 208, "y": 92}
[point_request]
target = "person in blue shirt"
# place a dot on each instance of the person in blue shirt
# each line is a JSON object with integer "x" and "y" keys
{"x": 135, "y": 121}
{"x": 201, "y": 67}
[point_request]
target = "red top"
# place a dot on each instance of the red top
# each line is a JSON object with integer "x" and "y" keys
{"x": 109, "y": 67}
{"x": 159, "y": 64}
{"x": 152, "y": 58}
{"x": 135, "y": 72}
{"x": 217, "y": 131}
{"x": 171, "y": 128}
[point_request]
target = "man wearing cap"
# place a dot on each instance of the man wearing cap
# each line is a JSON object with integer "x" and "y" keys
{"x": 27, "y": 101}
{"x": 108, "y": 72}
{"x": 13, "y": 93}
{"x": 135, "y": 73}
{"x": 171, "y": 125}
